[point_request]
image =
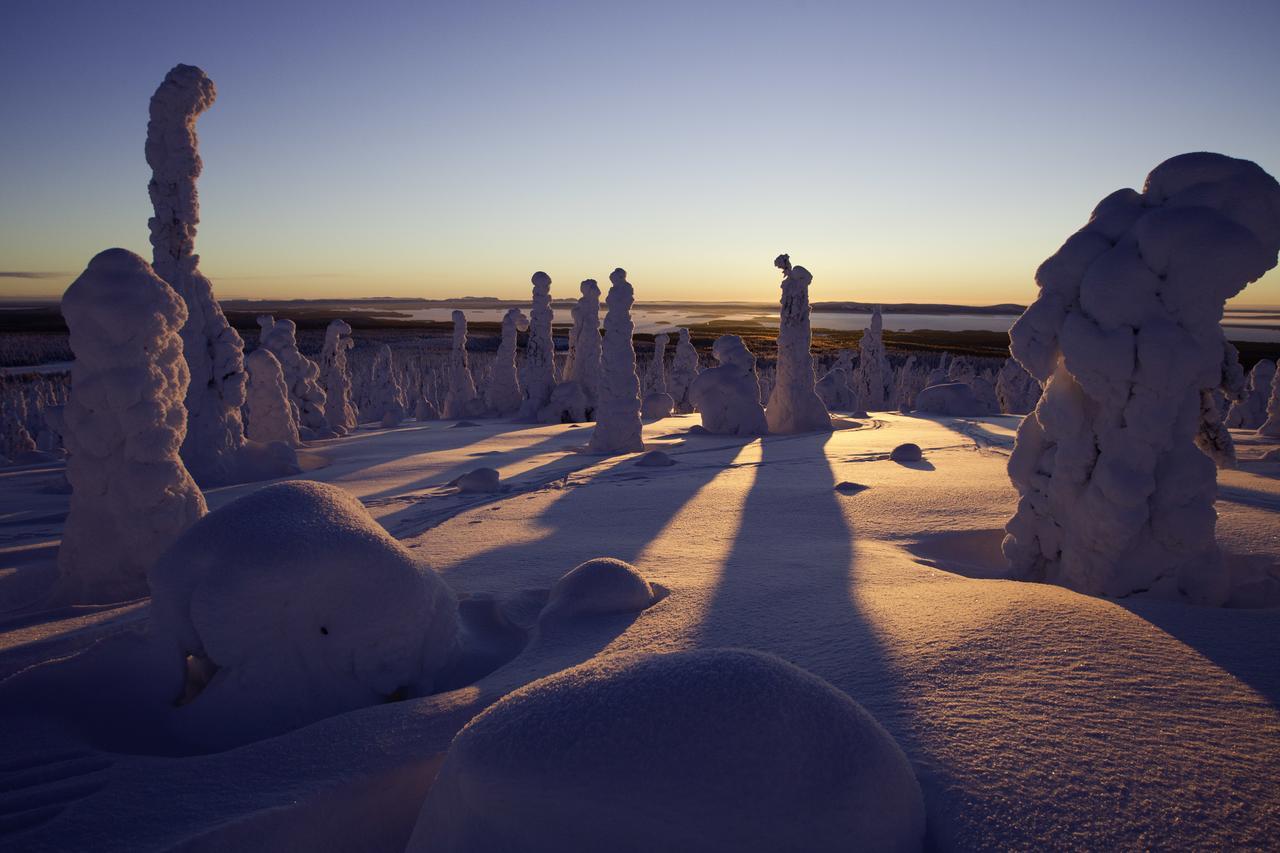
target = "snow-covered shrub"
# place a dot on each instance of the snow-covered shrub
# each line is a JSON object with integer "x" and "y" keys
{"x": 213, "y": 349}
{"x": 538, "y": 377}
{"x": 794, "y": 405}
{"x": 718, "y": 749}
{"x": 131, "y": 495}
{"x": 301, "y": 606}
{"x": 339, "y": 411}
{"x": 1115, "y": 495}
{"x": 269, "y": 413}
{"x": 728, "y": 396}
{"x": 618, "y": 409}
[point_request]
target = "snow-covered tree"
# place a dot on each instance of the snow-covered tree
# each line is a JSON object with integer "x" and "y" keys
{"x": 657, "y": 402}
{"x": 1271, "y": 426}
{"x": 461, "y": 401}
{"x": 339, "y": 410}
{"x": 270, "y": 414}
{"x": 503, "y": 394}
{"x": 728, "y": 396}
{"x": 839, "y": 389}
{"x": 794, "y": 405}
{"x": 618, "y": 408}
{"x": 584, "y": 342}
{"x": 131, "y": 495}
{"x": 684, "y": 368}
{"x": 213, "y": 349}
{"x": 1016, "y": 390}
{"x": 1115, "y": 495}
{"x": 386, "y": 396}
{"x": 539, "y": 375}
{"x": 1250, "y": 411}
{"x": 301, "y": 375}
{"x": 1213, "y": 437}
{"x": 873, "y": 377}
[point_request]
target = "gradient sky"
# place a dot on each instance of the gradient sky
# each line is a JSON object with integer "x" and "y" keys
{"x": 902, "y": 152}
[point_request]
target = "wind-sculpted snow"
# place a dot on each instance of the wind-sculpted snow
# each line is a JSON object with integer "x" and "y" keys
{"x": 1250, "y": 411}
{"x": 502, "y": 396}
{"x": 131, "y": 495}
{"x": 720, "y": 749}
{"x": 684, "y": 369}
{"x": 584, "y": 342}
{"x": 794, "y": 405}
{"x": 302, "y": 607}
{"x": 539, "y": 375}
{"x": 301, "y": 375}
{"x": 617, "y": 413}
{"x": 873, "y": 377}
{"x": 461, "y": 402}
{"x": 213, "y": 349}
{"x": 339, "y": 410}
{"x": 1125, "y": 334}
{"x": 728, "y": 396}
{"x": 270, "y": 414}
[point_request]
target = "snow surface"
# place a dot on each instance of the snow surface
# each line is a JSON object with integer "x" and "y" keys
{"x": 1034, "y": 717}
{"x": 542, "y": 770}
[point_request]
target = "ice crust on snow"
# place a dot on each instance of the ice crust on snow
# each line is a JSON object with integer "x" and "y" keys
{"x": 123, "y": 425}
{"x": 617, "y": 413}
{"x": 213, "y": 349}
{"x": 1126, "y": 336}
{"x": 302, "y": 606}
{"x": 718, "y": 749}
{"x": 794, "y": 405}
{"x": 728, "y": 396}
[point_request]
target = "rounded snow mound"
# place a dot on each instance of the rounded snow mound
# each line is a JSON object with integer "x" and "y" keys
{"x": 655, "y": 459}
{"x": 478, "y": 480}
{"x": 657, "y": 406}
{"x": 908, "y": 452}
{"x": 718, "y": 749}
{"x": 302, "y": 607}
{"x": 602, "y": 585}
{"x": 951, "y": 398}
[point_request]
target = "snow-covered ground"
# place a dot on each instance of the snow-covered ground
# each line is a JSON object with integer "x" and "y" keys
{"x": 1033, "y": 716}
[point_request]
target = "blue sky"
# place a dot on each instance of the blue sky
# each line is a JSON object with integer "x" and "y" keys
{"x": 902, "y": 152}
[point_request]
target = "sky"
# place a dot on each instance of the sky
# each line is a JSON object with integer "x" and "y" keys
{"x": 903, "y": 152}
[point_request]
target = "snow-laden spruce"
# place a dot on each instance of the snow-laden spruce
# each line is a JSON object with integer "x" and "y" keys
{"x": 301, "y": 375}
{"x": 837, "y": 388}
{"x": 873, "y": 378}
{"x": 718, "y": 749}
{"x": 461, "y": 401}
{"x": 657, "y": 402}
{"x": 684, "y": 368}
{"x": 1213, "y": 436}
{"x": 339, "y": 410}
{"x": 584, "y": 343}
{"x": 213, "y": 349}
{"x": 124, "y": 424}
{"x": 386, "y": 397}
{"x": 728, "y": 396}
{"x": 1271, "y": 426}
{"x": 1125, "y": 334}
{"x": 539, "y": 375}
{"x": 502, "y": 396}
{"x": 269, "y": 413}
{"x": 617, "y": 412}
{"x": 302, "y": 607}
{"x": 1016, "y": 390}
{"x": 1250, "y": 411}
{"x": 794, "y": 404}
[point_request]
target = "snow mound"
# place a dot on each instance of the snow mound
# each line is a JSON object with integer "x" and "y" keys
{"x": 655, "y": 459}
{"x": 657, "y": 406}
{"x": 464, "y": 424}
{"x": 602, "y": 585}
{"x": 847, "y": 487}
{"x": 908, "y": 452}
{"x": 952, "y": 398}
{"x": 478, "y": 480}
{"x": 717, "y": 749}
{"x": 728, "y": 396}
{"x": 302, "y": 607}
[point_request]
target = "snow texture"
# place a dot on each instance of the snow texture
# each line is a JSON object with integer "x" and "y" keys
{"x": 728, "y": 396}
{"x": 339, "y": 410}
{"x": 600, "y": 586}
{"x": 873, "y": 377}
{"x": 461, "y": 401}
{"x": 539, "y": 362}
{"x": 213, "y": 349}
{"x": 269, "y": 413}
{"x": 503, "y": 396}
{"x": 303, "y": 607}
{"x": 584, "y": 342}
{"x": 617, "y": 413}
{"x": 794, "y": 405}
{"x": 1115, "y": 495}
{"x": 684, "y": 369}
{"x": 131, "y": 495}
{"x": 424, "y": 410}
{"x": 723, "y": 749}
{"x": 1271, "y": 426}
{"x": 568, "y": 405}
{"x": 301, "y": 375}
{"x": 386, "y": 398}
